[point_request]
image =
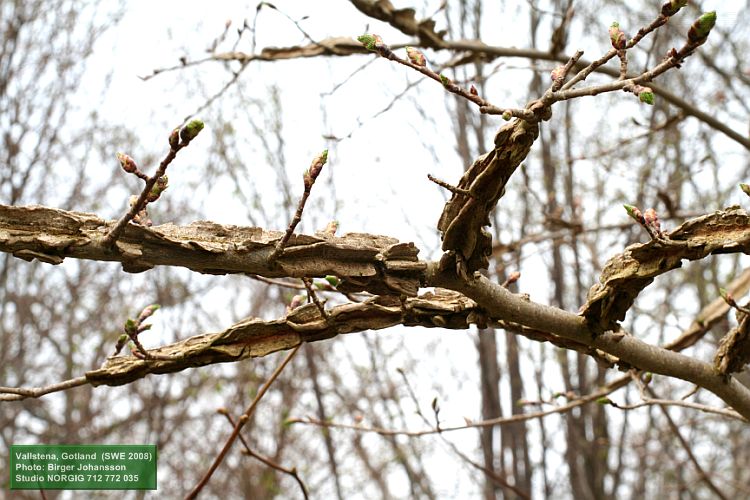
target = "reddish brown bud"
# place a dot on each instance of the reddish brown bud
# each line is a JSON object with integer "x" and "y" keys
{"x": 617, "y": 36}
{"x": 127, "y": 163}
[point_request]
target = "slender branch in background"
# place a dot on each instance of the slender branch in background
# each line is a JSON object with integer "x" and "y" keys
{"x": 724, "y": 412}
{"x": 310, "y": 176}
{"x": 603, "y": 392}
{"x": 155, "y": 185}
{"x": 292, "y": 472}
{"x": 241, "y": 423}
{"x": 497, "y": 479}
{"x": 685, "y": 445}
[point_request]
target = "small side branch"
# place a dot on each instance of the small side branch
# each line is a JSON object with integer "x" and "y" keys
{"x": 453, "y": 189}
{"x": 310, "y": 176}
{"x": 156, "y": 184}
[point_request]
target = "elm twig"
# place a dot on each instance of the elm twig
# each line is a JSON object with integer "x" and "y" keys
{"x": 156, "y": 184}
{"x": 292, "y": 472}
{"x": 309, "y": 177}
{"x": 241, "y": 423}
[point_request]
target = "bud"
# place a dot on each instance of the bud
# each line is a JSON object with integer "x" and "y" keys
{"x": 745, "y": 189}
{"x": 634, "y": 213}
{"x": 473, "y": 90}
{"x": 604, "y": 400}
{"x": 557, "y": 73}
{"x": 672, "y": 7}
{"x": 514, "y": 276}
{"x": 416, "y": 57}
{"x": 332, "y": 280}
{"x": 143, "y": 328}
{"x": 316, "y": 167}
{"x": 507, "y": 116}
{"x": 174, "y": 139}
{"x": 127, "y": 163}
{"x": 652, "y": 219}
{"x": 445, "y": 80}
{"x": 617, "y": 36}
{"x": 162, "y": 183}
{"x": 147, "y": 312}
{"x": 728, "y": 297}
{"x": 190, "y": 131}
{"x": 371, "y": 42}
{"x": 646, "y": 96}
{"x": 297, "y": 301}
{"x": 702, "y": 27}
{"x": 130, "y": 326}
{"x": 331, "y": 228}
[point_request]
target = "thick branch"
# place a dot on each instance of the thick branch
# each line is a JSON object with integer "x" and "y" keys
{"x": 500, "y": 303}
{"x": 625, "y": 275}
{"x": 378, "y": 264}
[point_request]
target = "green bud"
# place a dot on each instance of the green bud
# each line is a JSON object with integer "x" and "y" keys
{"x": 672, "y": 7}
{"x": 702, "y": 27}
{"x": 130, "y": 325}
{"x": 191, "y": 130}
{"x": 635, "y": 213}
{"x": 745, "y": 189}
{"x": 370, "y": 42}
{"x": 332, "y": 280}
{"x": 445, "y": 80}
{"x": 604, "y": 401}
{"x": 647, "y": 97}
{"x": 507, "y": 116}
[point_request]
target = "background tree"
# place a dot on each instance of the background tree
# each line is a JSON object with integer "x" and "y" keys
{"x": 362, "y": 396}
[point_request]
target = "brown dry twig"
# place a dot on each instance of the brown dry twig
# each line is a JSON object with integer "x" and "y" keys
{"x": 292, "y": 472}
{"x": 240, "y": 424}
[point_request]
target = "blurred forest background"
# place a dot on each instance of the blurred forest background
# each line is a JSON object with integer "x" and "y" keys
{"x": 70, "y": 99}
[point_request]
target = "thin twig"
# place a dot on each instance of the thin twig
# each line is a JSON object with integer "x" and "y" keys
{"x": 608, "y": 389}
{"x": 178, "y": 139}
{"x": 314, "y": 297}
{"x": 19, "y": 393}
{"x": 494, "y": 476}
{"x": 688, "y": 449}
{"x": 724, "y": 412}
{"x": 240, "y": 423}
{"x": 453, "y": 189}
{"x": 292, "y": 472}
{"x": 310, "y": 176}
